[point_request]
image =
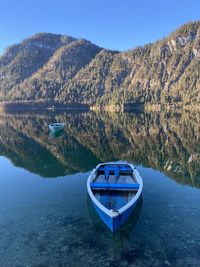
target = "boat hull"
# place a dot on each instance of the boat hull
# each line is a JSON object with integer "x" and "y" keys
{"x": 111, "y": 209}
{"x": 56, "y": 127}
{"x": 113, "y": 223}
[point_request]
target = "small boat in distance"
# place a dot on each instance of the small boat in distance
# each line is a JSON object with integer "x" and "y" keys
{"x": 114, "y": 188}
{"x": 57, "y": 126}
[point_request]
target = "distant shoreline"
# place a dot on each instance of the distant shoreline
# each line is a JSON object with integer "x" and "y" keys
{"x": 34, "y": 106}
{"x": 9, "y": 106}
{"x": 26, "y": 106}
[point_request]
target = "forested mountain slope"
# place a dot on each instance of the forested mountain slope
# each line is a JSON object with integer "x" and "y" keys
{"x": 49, "y": 67}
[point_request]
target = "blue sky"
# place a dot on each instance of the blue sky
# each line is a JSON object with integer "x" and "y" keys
{"x": 111, "y": 24}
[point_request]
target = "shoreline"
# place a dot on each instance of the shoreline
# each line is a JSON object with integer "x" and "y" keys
{"x": 40, "y": 106}
{"x": 30, "y": 106}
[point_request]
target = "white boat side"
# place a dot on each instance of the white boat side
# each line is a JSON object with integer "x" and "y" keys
{"x": 56, "y": 126}
{"x": 111, "y": 213}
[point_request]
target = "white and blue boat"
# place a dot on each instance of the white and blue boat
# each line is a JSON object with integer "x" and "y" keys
{"x": 114, "y": 188}
{"x": 56, "y": 126}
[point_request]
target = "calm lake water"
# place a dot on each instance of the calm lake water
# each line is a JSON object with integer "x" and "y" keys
{"x": 46, "y": 217}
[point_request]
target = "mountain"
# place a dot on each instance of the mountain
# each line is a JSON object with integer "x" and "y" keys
{"x": 49, "y": 67}
{"x": 21, "y": 61}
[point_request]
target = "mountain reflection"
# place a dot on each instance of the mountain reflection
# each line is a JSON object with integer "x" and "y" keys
{"x": 169, "y": 142}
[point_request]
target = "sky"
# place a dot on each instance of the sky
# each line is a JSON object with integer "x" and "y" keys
{"x": 117, "y": 25}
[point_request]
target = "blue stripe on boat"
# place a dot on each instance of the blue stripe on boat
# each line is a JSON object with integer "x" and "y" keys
{"x": 116, "y": 172}
{"x": 107, "y": 172}
{"x": 113, "y": 186}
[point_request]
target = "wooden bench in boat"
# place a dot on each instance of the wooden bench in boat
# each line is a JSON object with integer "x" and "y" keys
{"x": 97, "y": 186}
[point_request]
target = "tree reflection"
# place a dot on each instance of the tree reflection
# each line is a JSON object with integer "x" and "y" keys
{"x": 169, "y": 142}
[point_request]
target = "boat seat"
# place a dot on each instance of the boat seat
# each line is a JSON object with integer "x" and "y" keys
{"x": 114, "y": 186}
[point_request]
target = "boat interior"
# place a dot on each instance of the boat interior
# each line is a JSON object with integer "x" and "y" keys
{"x": 114, "y": 185}
{"x": 115, "y": 174}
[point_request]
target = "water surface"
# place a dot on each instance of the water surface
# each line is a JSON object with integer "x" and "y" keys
{"x": 46, "y": 217}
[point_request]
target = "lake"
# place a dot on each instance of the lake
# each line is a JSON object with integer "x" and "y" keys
{"x": 46, "y": 217}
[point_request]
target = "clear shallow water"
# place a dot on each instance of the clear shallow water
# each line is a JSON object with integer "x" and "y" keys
{"x": 51, "y": 222}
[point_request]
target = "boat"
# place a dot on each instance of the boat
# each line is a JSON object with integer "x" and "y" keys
{"x": 57, "y": 126}
{"x": 114, "y": 188}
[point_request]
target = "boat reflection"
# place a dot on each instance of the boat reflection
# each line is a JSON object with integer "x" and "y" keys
{"x": 56, "y": 134}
